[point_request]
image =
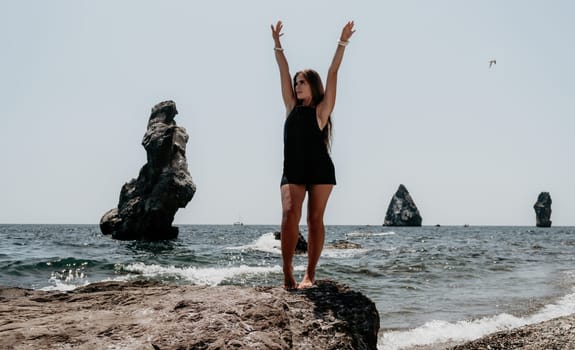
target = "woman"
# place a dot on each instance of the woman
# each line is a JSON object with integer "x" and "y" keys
{"x": 307, "y": 164}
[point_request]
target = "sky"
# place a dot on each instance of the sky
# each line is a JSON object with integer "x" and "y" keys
{"x": 417, "y": 105}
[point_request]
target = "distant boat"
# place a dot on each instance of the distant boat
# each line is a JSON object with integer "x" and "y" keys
{"x": 239, "y": 222}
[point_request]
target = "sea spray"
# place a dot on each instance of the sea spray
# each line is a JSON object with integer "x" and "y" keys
{"x": 211, "y": 276}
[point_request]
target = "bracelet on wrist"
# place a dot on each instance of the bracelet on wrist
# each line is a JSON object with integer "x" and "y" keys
{"x": 278, "y": 48}
{"x": 342, "y": 43}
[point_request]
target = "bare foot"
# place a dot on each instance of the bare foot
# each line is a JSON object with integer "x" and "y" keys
{"x": 306, "y": 282}
{"x": 290, "y": 283}
{"x": 289, "y": 280}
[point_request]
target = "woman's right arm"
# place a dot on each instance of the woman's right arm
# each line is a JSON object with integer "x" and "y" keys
{"x": 285, "y": 77}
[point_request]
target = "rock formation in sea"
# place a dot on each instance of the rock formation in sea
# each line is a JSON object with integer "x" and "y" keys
{"x": 543, "y": 210}
{"x": 343, "y": 244}
{"x": 300, "y": 248}
{"x": 149, "y": 315}
{"x": 402, "y": 210}
{"x": 148, "y": 204}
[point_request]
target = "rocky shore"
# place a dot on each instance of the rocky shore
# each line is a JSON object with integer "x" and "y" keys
{"x": 556, "y": 334}
{"x": 147, "y": 315}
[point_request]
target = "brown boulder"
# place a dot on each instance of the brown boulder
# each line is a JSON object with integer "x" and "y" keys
{"x": 147, "y": 315}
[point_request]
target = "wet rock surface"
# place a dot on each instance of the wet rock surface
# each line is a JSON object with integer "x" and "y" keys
{"x": 300, "y": 248}
{"x": 147, "y": 315}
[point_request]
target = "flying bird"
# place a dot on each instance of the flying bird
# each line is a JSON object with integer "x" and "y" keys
{"x": 492, "y": 63}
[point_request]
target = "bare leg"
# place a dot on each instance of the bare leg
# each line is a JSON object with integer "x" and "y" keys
{"x": 292, "y": 200}
{"x": 317, "y": 201}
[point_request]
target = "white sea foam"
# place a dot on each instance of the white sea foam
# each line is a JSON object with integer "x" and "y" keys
{"x": 265, "y": 243}
{"x": 268, "y": 243}
{"x": 441, "y": 331}
{"x": 63, "y": 286}
{"x": 68, "y": 285}
{"x": 67, "y": 279}
{"x": 368, "y": 234}
{"x": 342, "y": 253}
{"x": 205, "y": 276}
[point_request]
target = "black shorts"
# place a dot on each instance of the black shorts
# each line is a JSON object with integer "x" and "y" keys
{"x": 327, "y": 178}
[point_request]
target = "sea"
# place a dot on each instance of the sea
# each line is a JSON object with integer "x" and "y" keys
{"x": 431, "y": 285}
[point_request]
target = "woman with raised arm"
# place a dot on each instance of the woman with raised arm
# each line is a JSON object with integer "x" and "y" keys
{"x": 307, "y": 164}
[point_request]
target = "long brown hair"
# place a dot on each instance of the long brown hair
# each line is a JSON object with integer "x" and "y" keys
{"x": 317, "y": 92}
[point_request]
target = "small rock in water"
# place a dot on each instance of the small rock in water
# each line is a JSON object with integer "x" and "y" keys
{"x": 344, "y": 244}
{"x": 301, "y": 247}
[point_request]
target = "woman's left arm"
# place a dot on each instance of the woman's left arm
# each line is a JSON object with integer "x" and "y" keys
{"x": 326, "y": 106}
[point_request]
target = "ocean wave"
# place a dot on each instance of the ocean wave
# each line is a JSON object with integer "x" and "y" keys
{"x": 65, "y": 273}
{"x": 64, "y": 286}
{"x": 211, "y": 276}
{"x": 265, "y": 243}
{"x": 71, "y": 284}
{"x": 48, "y": 264}
{"x": 342, "y": 253}
{"x": 437, "y": 332}
{"x": 368, "y": 234}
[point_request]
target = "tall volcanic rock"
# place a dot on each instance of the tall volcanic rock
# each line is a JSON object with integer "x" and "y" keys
{"x": 148, "y": 204}
{"x": 543, "y": 209}
{"x": 402, "y": 210}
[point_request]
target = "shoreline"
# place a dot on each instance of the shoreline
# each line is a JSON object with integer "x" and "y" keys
{"x": 556, "y": 333}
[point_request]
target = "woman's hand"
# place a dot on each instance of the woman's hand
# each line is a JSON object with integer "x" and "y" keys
{"x": 276, "y": 33}
{"x": 346, "y": 32}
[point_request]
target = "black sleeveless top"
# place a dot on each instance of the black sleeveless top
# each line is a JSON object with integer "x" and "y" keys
{"x": 306, "y": 158}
